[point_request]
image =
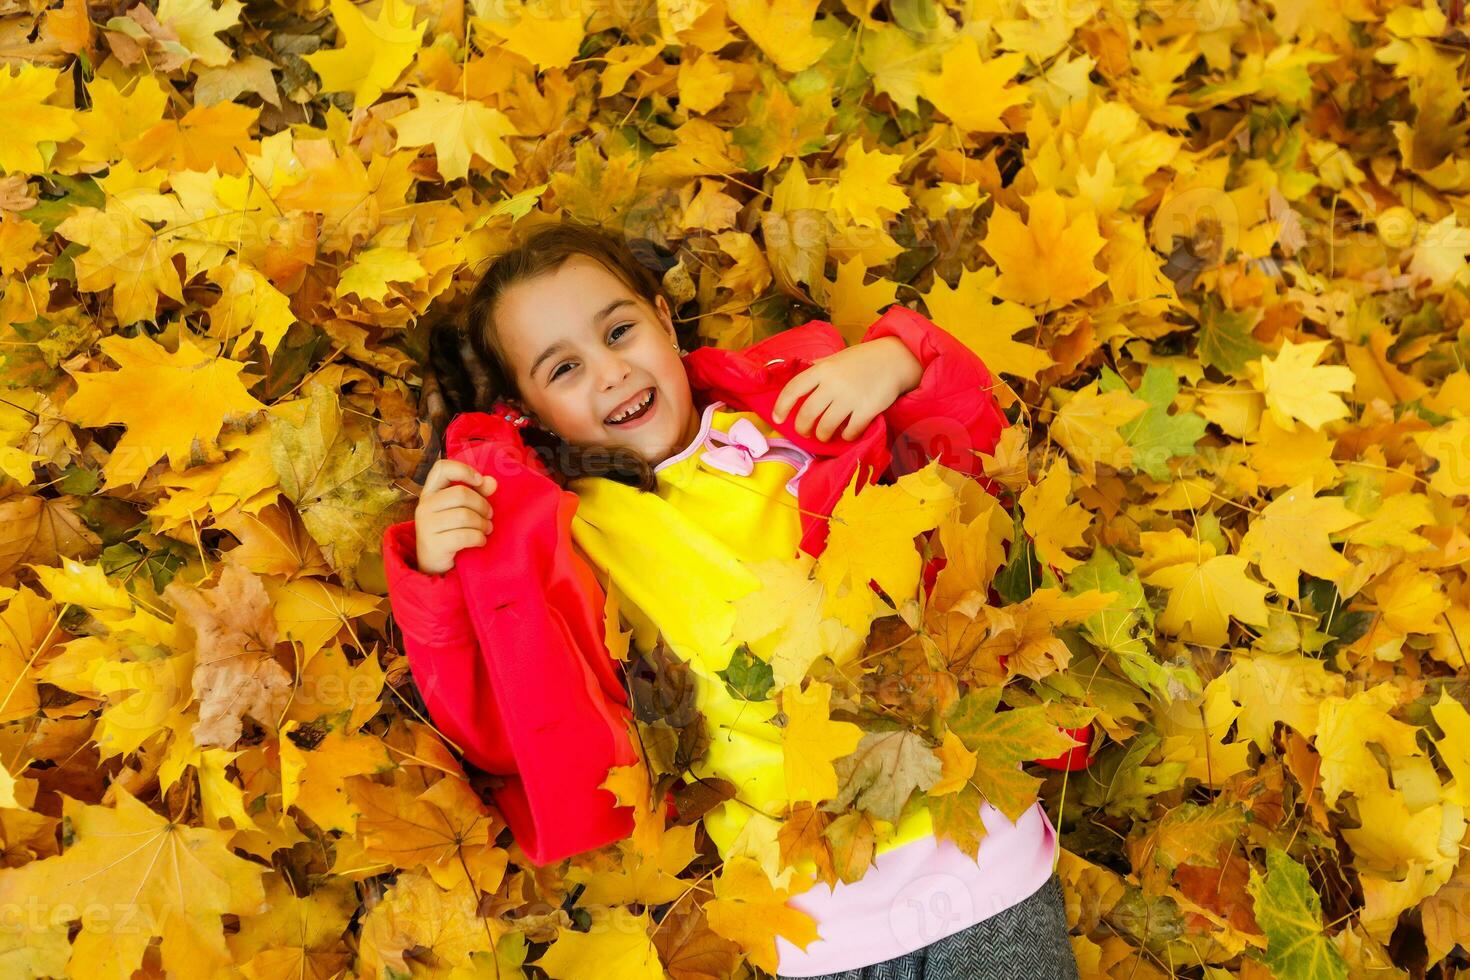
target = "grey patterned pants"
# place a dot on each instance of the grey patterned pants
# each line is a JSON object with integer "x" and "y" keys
{"x": 1028, "y": 940}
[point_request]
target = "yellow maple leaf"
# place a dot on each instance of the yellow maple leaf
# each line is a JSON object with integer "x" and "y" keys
{"x": 1194, "y": 731}
{"x": 1449, "y": 446}
{"x": 700, "y": 147}
{"x": 28, "y": 633}
{"x": 116, "y": 117}
{"x": 18, "y": 241}
{"x": 315, "y": 779}
{"x": 373, "y": 52}
{"x": 1281, "y": 457}
{"x": 32, "y": 127}
{"x": 415, "y": 919}
{"x": 638, "y": 877}
{"x": 368, "y": 277}
{"x": 196, "y": 22}
{"x": 1274, "y": 687}
{"x": 1439, "y": 252}
{"x": 866, "y": 184}
{"x": 1409, "y": 600}
{"x": 782, "y": 29}
{"x": 313, "y": 920}
{"x": 750, "y": 273}
{"x": 975, "y": 91}
{"x": 623, "y": 61}
{"x": 749, "y": 911}
{"x": 629, "y": 785}
{"x": 1045, "y": 32}
{"x": 311, "y": 611}
{"x": 459, "y": 129}
{"x": 871, "y": 536}
{"x": 1454, "y": 748}
{"x": 243, "y": 486}
{"x": 968, "y": 311}
{"x": 179, "y": 881}
{"x": 854, "y": 305}
{"x": 205, "y": 137}
{"x": 617, "y": 947}
{"x": 1029, "y": 638}
{"x": 703, "y": 82}
{"x": 249, "y": 306}
{"x": 168, "y": 401}
{"x": 1054, "y": 524}
{"x": 958, "y": 765}
{"x": 1205, "y": 590}
{"x": 1346, "y": 726}
{"x": 1088, "y": 426}
{"x": 445, "y": 828}
{"x": 811, "y": 740}
{"x": 1296, "y": 390}
{"x": 783, "y": 620}
{"x": 340, "y": 189}
{"x": 1046, "y": 260}
{"x": 1393, "y": 523}
{"x": 545, "y": 34}
{"x": 1289, "y": 536}
{"x": 126, "y": 254}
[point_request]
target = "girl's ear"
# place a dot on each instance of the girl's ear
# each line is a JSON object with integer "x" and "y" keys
{"x": 664, "y": 314}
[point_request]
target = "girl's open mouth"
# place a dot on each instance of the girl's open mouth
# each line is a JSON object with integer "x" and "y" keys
{"x": 642, "y": 411}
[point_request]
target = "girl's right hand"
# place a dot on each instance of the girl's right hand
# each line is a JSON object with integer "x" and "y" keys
{"x": 451, "y": 516}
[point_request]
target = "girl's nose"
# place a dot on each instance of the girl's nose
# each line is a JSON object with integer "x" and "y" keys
{"x": 613, "y": 370}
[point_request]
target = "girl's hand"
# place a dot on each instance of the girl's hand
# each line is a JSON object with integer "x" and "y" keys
{"x": 451, "y": 516}
{"x": 857, "y": 383}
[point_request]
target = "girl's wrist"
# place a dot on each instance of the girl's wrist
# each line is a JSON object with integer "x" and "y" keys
{"x": 908, "y": 372}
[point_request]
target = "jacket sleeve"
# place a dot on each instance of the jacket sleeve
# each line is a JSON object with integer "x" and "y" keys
{"x": 952, "y": 415}
{"x": 480, "y": 685}
{"x": 443, "y": 654}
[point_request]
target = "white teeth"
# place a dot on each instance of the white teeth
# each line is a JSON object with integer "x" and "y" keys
{"x": 634, "y": 410}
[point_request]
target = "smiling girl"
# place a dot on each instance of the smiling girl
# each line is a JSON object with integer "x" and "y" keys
{"x": 614, "y": 460}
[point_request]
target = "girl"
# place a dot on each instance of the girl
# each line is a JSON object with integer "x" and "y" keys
{"x": 671, "y": 472}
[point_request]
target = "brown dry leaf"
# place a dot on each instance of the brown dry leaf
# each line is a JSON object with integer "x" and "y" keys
{"x": 235, "y": 673}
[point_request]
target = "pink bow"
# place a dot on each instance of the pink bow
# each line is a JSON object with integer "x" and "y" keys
{"x": 746, "y": 445}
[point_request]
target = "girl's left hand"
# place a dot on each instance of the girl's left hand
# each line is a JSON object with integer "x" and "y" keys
{"x": 857, "y": 383}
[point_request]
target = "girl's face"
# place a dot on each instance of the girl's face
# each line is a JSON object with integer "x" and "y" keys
{"x": 583, "y": 348}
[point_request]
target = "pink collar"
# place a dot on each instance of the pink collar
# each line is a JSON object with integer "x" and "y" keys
{"x": 721, "y": 445}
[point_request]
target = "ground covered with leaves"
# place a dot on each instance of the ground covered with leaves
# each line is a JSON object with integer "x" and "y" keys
{"x": 1211, "y": 249}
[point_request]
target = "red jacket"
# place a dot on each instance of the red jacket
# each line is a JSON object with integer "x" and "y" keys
{"x": 507, "y": 647}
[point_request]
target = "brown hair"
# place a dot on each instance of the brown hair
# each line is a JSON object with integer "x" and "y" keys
{"x": 469, "y": 364}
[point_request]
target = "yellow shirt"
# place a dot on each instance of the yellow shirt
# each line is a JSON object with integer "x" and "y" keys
{"x": 675, "y": 561}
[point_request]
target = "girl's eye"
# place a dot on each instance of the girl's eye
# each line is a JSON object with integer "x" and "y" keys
{"x": 613, "y": 335}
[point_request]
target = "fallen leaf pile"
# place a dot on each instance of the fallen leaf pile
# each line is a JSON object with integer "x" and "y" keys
{"x": 1211, "y": 250}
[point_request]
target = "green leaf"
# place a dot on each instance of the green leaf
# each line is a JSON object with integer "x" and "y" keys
{"x": 748, "y": 676}
{"x": 1122, "y": 785}
{"x": 1017, "y": 578}
{"x": 77, "y": 192}
{"x": 1156, "y": 436}
{"x": 331, "y": 466}
{"x": 1000, "y": 739}
{"x": 1225, "y": 339}
{"x": 1126, "y": 628}
{"x": 1290, "y": 913}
